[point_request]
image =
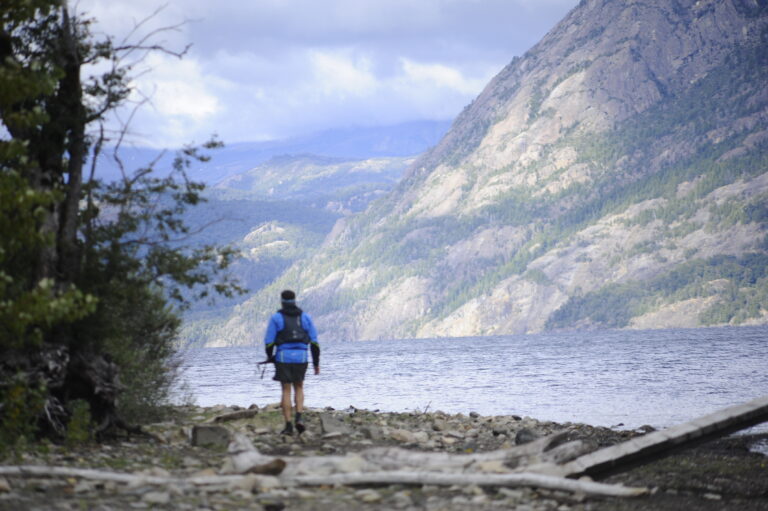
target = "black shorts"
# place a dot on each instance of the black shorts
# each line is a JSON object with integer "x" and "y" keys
{"x": 290, "y": 373}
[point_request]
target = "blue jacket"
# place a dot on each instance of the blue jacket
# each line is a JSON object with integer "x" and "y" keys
{"x": 294, "y": 352}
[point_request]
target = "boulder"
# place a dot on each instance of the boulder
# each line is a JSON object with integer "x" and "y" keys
{"x": 524, "y": 436}
{"x": 157, "y": 497}
{"x": 402, "y": 435}
{"x": 216, "y": 437}
{"x": 331, "y": 424}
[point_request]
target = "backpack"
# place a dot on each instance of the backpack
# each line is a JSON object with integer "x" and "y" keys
{"x": 292, "y": 331}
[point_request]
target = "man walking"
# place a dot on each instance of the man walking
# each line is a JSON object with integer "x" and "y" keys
{"x": 293, "y": 334}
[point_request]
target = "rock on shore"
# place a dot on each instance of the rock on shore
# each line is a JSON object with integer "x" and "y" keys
{"x": 191, "y": 445}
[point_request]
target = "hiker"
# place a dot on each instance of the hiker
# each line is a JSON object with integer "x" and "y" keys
{"x": 291, "y": 331}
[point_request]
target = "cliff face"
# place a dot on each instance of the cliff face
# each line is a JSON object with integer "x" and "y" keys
{"x": 616, "y": 175}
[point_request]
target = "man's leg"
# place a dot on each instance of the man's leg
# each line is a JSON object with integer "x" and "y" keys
{"x": 298, "y": 388}
{"x": 285, "y": 404}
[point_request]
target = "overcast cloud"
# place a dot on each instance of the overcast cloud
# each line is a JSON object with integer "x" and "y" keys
{"x": 266, "y": 69}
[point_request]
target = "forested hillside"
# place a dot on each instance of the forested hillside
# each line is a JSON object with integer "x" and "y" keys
{"x": 275, "y": 214}
{"x": 614, "y": 176}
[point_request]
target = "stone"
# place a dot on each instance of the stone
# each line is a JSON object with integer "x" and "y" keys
{"x": 268, "y": 483}
{"x": 158, "y": 472}
{"x": 473, "y": 489}
{"x": 402, "y": 435}
{"x": 512, "y": 494}
{"x": 157, "y": 497}
{"x": 524, "y": 436}
{"x": 402, "y": 499}
{"x": 84, "y": 487}
{"x": 478, "y": 500}
{"x": 439, "y": 425}
{"x": 246, "y": 484}
{"x": 499, "y": 430}
{"x": 190, "y": 462}
{"x": 206, "y": 472}
{"x": 216, "y": 437}
{"x": 368, "y": 495}
{"x": 421, "y": 437}
{"x": 474, "y": 415}
{"x": 372, "y": 432}
{"x": 5, "y": 487}
{"x": 331, "y": 424}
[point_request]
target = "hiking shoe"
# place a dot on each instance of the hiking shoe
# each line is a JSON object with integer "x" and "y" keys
{"x": 288, "y": 430}
{"x": 300, "y": 427}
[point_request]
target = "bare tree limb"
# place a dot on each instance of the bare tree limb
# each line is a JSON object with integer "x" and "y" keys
{"x": 351, "y": 479}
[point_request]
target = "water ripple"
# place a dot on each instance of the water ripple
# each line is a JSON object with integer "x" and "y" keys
{"x": 657, "y": 377}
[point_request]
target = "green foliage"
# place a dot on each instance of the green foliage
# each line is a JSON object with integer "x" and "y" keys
{"x": 614, "y": 305}
{"x": 29, "y": 307}
{"x": 79, "y": 425}
{"x": 94, "y": 269}
{"x": 22, "y": 402}
{"x": 537, "y": 276}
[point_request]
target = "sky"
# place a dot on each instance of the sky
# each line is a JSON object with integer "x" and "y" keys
{"x": 272, "y": 69}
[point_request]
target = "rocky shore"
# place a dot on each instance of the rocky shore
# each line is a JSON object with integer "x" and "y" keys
{"x": 186, "y": 462}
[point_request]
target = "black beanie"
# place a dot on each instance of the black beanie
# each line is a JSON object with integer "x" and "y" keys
{"x": 288, "y": 296}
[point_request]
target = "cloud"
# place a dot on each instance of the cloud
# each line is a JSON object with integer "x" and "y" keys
{"x": 439, "y": 76}
{"x": 178, "y": 88}
{"x": 336, "y": 74}
{"x": 278, "y": 68}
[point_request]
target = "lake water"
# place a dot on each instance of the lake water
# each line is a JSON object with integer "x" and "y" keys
{"x": 610, "y": 378}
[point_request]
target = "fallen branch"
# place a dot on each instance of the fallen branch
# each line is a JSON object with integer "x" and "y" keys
{"x": 658, "y": 444}
{"x": 441, "y": 479}
{"x": 117, "y": 477}
{"x": 351, "y": 479}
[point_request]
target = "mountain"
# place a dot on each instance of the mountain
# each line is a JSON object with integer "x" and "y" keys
{"x": 614, "y": 176}
{"x": 355, "y": 143}
{"x": 333, "y": 184}
{"x": 277, "y": 213}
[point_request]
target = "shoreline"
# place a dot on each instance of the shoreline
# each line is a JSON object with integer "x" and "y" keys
{"x": 192, "y": 442}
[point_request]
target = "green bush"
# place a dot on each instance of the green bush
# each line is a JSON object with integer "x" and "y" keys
{"x": 79, "y": 427}
{"x": 22, "y": 403}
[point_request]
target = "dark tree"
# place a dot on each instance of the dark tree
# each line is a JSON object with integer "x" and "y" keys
{"x": 92, "y": 274}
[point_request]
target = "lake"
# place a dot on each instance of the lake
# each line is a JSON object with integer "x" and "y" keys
{"x": 607, "y": 378}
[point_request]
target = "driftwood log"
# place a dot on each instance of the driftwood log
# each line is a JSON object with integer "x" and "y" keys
{"x": 388, "y": 465}
{"x": 392, "y": 465}
{"x": 550, "y": 462}
{"x": 662, "y": 443}
{"x": 384, "y": 477}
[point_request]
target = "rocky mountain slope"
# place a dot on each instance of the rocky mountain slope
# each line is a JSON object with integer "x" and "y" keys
{"x": 614, "y": 176}
{"x": 275, "y": 220}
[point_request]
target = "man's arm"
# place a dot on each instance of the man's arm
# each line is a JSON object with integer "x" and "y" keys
{"x": 270, "y": 336}
{"x": 314, "y": 344}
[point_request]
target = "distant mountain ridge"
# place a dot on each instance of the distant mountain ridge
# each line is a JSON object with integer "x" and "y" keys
{"x": 354, "y": 143}
{"x": 614, "y": 176}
